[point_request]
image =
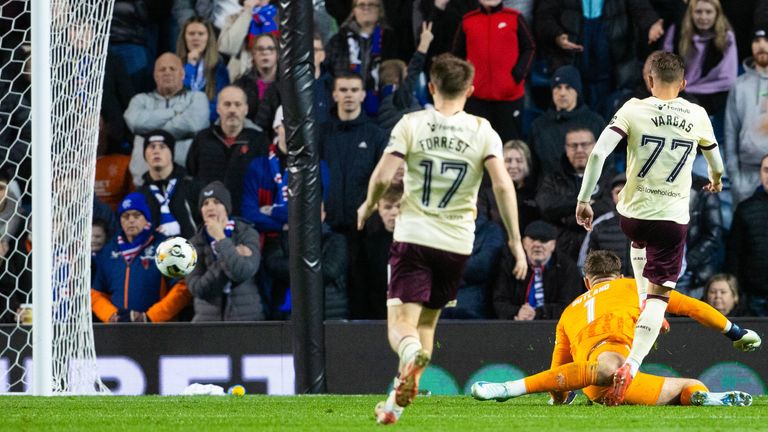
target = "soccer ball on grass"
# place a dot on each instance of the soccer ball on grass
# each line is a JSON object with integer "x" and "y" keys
{"x": 176, "y": 257}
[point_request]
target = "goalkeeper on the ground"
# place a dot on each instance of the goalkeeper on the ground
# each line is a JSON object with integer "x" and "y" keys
{"x": 593, "y": 339}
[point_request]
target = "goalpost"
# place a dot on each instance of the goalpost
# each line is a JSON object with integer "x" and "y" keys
{"x": 68, "y": 51}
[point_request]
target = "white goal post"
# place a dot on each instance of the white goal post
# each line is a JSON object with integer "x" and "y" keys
{"x": 67, "y": 46}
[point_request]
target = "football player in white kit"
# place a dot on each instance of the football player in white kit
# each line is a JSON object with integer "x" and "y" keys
{"x": 663, "y": 134}
{"x": 445, "y": 151}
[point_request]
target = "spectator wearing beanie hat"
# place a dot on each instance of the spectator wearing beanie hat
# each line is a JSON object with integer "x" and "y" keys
{"x": 568, "y": 112}
{"x": 170, "y": 192}
{"x": 127, "y": 285}
{"x": 223, "y": 283}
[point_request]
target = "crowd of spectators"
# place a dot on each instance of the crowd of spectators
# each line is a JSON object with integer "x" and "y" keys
{"x": 192, "y": 144}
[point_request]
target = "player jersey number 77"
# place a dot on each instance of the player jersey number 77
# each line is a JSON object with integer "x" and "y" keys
{"x": 662, "y": 141}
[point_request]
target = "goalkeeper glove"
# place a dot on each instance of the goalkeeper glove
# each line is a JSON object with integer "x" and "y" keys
{"x": 749, "y": 342}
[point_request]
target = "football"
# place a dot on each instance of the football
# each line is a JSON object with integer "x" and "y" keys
{"x": 176, "y": 257}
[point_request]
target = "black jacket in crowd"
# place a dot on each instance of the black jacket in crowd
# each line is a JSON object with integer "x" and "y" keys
{"x": 555, "y": 17}
{"x": 562, "y": 284}
{"x": 606, "y": 234}
{"x": 548, "y": 134}
{"x": 476, "y": 289}
{"x": 747, "y": 251}
{"x": 210, "y": 159}
{"x": 264, "y": 115}
{"x": 445, "y": 23}
{"x": 335, "y": 261}
{"x": 399, "y": 40}
{"x": 183, "y": 204}
{"x": 705, "y": 244}
{"x": 373, "y": 304}
{"x": 527, "y": 209}
{"x": 557, "y": 198}
{"x": 337, "y": 60}
{"x": 117, "y": 94}
{"x": 129, "y": 22}
{"x": 248, "y": 83}
{"x": 351, "y": 149}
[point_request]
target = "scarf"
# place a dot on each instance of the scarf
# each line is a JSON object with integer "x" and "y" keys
{"x": 130, "y": 250}
{"x": 170, "y": 226}
{"x": 366, "y": 66}
{"x": 194, "y": 76}
{"x": 280, "y": 177}
{"x": 264, "y": 21}
{"x": 229, "y": 228}
{"x": 536, "y": 295}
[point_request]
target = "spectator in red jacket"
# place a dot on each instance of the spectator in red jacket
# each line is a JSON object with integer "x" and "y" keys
{"x": 499, "y": 43}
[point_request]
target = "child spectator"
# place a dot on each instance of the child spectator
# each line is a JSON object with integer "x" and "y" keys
{"x": 399, "y": 83}
{"x": 99, "y": 236}
{"x": 378, "y": 238}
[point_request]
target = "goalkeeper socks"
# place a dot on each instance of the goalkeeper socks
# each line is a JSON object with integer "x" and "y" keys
{"x": 571, "y": 376}
{"x": 407, "y": 349}
{"x": 638, "y": 265}
{"x": 735, "y": 332}
{"x": 685, "y": 395}
{"x": 646, "y": 331}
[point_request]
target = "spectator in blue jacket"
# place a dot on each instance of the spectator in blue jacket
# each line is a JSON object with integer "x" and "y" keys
{"x": 128, "y": 287}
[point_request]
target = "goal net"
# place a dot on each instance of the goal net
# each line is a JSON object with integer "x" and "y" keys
{"x": 73, "y": 36}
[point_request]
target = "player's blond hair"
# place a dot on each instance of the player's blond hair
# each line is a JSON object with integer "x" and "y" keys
{"x": 667, "y": 67}
{"x": 602, "y": 263}
{"x": 451, "y": 75}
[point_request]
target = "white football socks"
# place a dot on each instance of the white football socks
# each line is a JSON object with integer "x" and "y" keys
{"x": 638, "y": 265}
{"x": 407, "y": 349}
{"x": 516, "y": 388}
{"x": 646, "y": 332}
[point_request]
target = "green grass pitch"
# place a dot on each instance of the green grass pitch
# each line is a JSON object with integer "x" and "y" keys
{"x": 355, "y": 413}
